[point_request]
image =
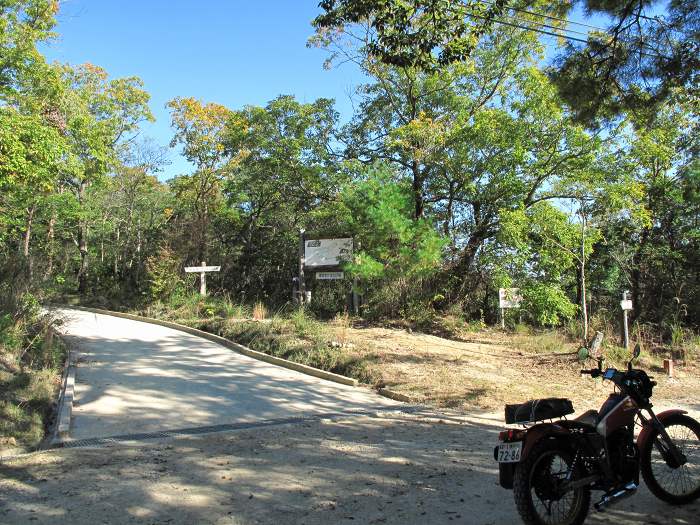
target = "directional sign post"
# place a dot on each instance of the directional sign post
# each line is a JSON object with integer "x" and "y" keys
{"x": 202, "y": 271}
{"x": 626, "y": 305}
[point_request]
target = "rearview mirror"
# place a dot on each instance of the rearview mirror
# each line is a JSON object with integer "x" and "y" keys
{"x": 583, "y": 354}
{"x": 637, "y": 350}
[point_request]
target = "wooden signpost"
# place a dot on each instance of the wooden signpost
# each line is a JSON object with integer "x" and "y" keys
{"x": 202, "y": 271}
{"x": 626, "y": 305}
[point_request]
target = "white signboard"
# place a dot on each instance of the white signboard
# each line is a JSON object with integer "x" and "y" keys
{"x": 509, "y": 297}
{"x": 626, "y": 304}
{"x": 327, "y": 252}
{"x": 199, "y": 269}
{"x": 329, "y": 276}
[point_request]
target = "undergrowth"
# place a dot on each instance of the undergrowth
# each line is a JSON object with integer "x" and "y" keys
{"x": 293, "y": 334}
{"x": 297, "y": 335}
{"x": 31, "y": 359}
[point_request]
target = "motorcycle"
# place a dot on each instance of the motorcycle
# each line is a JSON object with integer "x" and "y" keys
{"x": 552, "y": 466}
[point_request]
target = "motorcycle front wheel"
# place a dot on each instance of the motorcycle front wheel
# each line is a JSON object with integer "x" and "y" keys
{"x": 537, "y": 482}
{"x": 670, "y": 482}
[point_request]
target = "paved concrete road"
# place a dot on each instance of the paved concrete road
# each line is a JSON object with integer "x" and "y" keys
{"x": 137, "y": 377}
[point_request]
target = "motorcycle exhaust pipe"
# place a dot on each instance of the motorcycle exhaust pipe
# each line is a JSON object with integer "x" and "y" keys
{"x": 616, "y": 496}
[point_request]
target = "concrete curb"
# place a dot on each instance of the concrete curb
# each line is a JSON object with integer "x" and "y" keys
{"x": 260, "y": 356}
{"x": 61, "y": 426}
{"x": 394, "y": 395}
{"x": 66, "y": 406}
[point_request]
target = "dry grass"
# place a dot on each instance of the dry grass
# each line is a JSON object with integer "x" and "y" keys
{"x": 259, "y": 312}
{"x": 471, "y": 366}
{"x": 488, "y": 369}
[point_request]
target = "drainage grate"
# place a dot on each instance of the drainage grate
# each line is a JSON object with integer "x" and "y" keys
{"x": 227, "y": 427}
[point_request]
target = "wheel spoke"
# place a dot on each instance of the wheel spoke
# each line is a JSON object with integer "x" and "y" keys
{"x": 684, "y": 479}
{"x": 551, "y": 507}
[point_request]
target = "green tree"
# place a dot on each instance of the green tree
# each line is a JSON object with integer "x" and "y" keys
{"x": 23, "y": 23}
{"x": 482, "y": 136}
{"x": 199, "y": 129}
{"x": 101, "y": 115}
{"x": 282, "y": 171}
{"x": 426, "y": 34}
{"x": 649, "y": 50}
{"x": 396, "y": 253}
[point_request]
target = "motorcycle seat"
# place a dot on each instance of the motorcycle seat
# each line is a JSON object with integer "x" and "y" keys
{"x": 589, "y": 418}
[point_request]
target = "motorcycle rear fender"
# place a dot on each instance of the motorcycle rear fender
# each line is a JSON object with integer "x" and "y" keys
{"x": 539, "y": 432}
{"x": 646, "y": 432}
{"x": 532, "y": 437}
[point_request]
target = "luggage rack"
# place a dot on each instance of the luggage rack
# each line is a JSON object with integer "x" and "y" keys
{"x": 538, "y": 410}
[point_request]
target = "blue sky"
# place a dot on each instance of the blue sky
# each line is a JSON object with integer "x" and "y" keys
{"x": 234, "y": 52}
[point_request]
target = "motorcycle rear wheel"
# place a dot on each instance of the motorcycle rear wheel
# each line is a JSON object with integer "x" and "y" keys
{"x": 675, "y": 485}
{"x": 535, "y": 482}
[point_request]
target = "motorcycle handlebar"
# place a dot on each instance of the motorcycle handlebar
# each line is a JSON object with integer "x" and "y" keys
{"x": 593, "y": 372}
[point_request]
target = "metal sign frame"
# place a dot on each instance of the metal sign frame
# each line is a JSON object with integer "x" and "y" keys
{"x": 335, "y": 252}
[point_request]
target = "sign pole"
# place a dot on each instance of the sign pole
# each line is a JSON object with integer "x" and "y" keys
{"x": 355, "y": 295}
{"x": 302, "y": 282}
{"x": 203, "y": 281}
{"x": 508, "y": 298}
{"x": 625, "y": 325}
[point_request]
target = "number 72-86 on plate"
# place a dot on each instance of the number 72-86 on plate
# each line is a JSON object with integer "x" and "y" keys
{"x": 509, "y": 452}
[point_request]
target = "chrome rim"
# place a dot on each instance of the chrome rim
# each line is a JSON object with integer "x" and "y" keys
{"x": 683, "y": 480}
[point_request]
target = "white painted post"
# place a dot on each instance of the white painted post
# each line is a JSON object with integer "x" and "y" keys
{"x": 203, "y": 281}
{"x": 202, "y": 271}
{"x": 626, "y": 305}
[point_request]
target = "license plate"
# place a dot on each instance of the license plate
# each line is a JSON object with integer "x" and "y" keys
{"x": 509, "y": 452}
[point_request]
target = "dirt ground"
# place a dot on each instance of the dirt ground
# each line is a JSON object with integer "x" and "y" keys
{"x": 432, "y": 466}
{"x": 393, "y": 469}
{"x": 488, "y": 369}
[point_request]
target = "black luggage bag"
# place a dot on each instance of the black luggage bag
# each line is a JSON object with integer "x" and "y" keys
{"x": 538, "y": 410}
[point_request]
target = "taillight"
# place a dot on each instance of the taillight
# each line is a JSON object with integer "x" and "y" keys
{"x": 510, "y": 435}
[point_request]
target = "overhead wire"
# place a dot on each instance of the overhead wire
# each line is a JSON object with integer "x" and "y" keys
{"x": 558, "y": 32}
{"x": 568, "y": 22}
{"x": 548, "y": 17}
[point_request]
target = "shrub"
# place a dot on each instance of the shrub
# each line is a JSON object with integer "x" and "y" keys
{"x": 548, "y": 304}
{"x": 163, "y": 274}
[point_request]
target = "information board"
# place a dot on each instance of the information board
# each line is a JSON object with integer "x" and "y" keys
{"x": 509, "y": 297}
{"x": 327, "y": 252}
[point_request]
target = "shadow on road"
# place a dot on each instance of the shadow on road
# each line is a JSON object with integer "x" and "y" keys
{"x": 134, "y": 377}
{"x": 400, "y": 470}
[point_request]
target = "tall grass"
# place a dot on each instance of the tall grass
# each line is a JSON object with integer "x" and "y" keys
{"x": 31, "y": 359}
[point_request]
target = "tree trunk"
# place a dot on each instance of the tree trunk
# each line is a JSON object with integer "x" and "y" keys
{"x": 27, "y": 239}
{"x": 418, "y": 191}
{"x": 584, "y": 306}
{"x": 139, "y": 248}
{"x": 636, "y": 277}
{"x": 83, "y": 242}
{"x": 49, "y": 245}
{"x": 117, "y": 253}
